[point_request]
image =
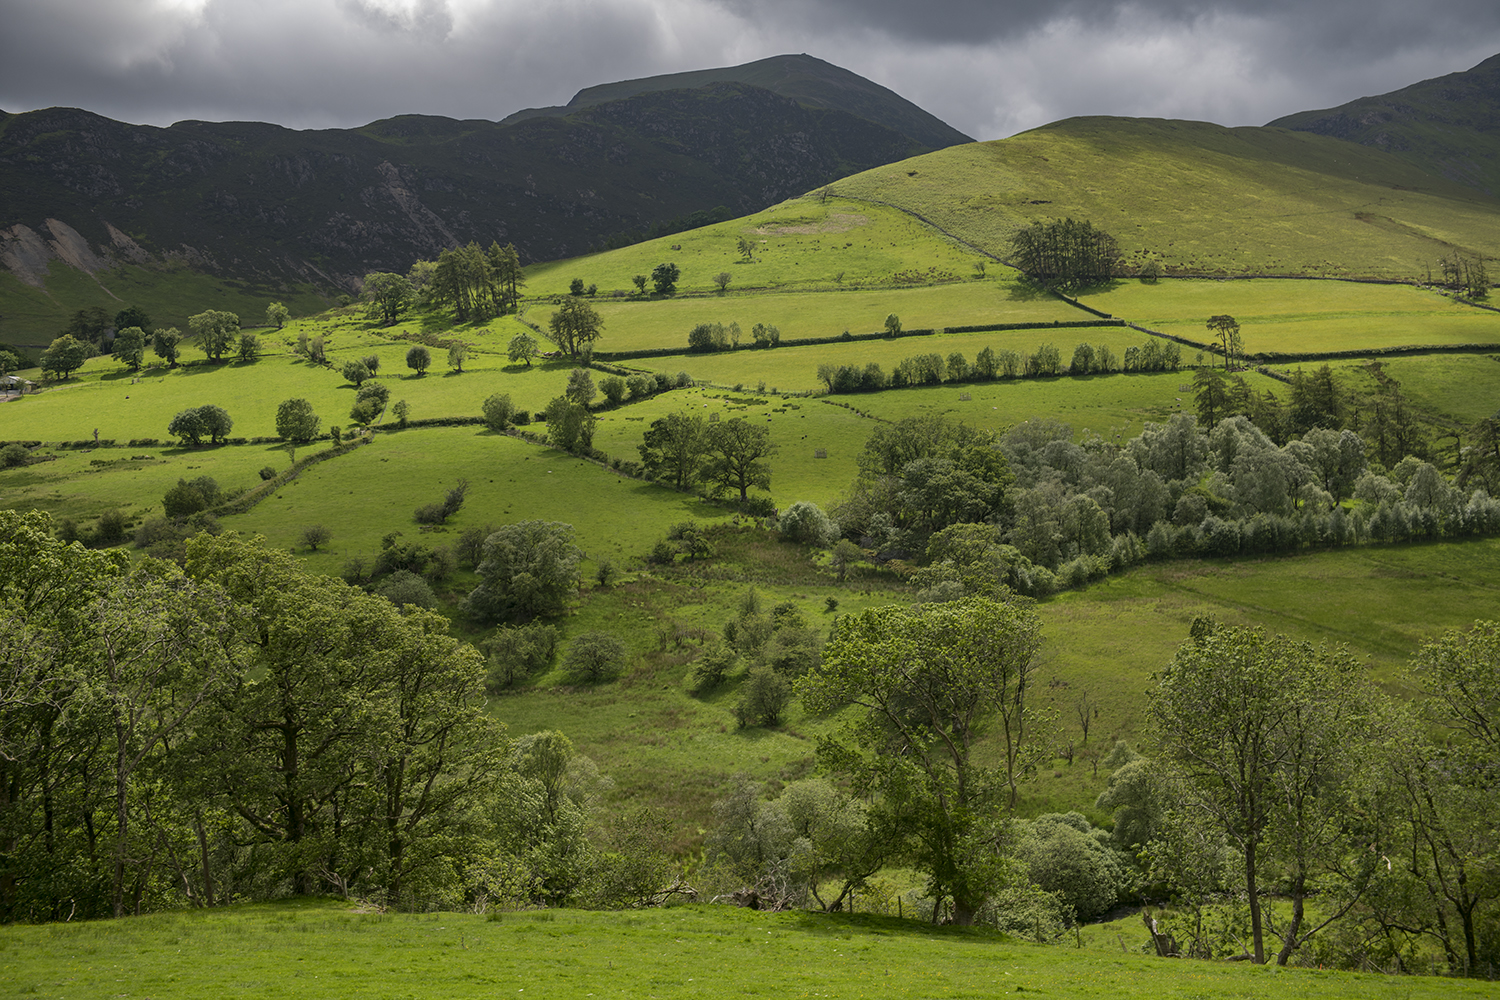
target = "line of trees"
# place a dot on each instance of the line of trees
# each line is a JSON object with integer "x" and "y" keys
{"x": 1033, "y": 510}
{"x": 989, "y": 364}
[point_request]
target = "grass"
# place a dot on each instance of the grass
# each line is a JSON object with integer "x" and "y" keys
{"x": 126, "y": 406}
{"x": 801, "y": 243}
{"x": 324, "y": 949}
{"x": 373, "y": 490}
{"x": 1114, "y": 405}
{"x": 1302, "y": 316}
{"x": 1462, "y": 387}
{"x": 1202, "y": 198}
{"x": 641, "y": 325}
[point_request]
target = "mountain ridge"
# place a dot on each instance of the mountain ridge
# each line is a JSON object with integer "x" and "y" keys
{"x": 1448, "y": 125}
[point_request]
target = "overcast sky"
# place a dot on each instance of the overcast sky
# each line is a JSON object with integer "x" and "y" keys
{"x": 988, "y": 67}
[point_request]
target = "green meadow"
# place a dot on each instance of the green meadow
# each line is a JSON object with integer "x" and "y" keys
{"x": 313, "y": 950}
{"x": 807, "y": 242}
{"x": 799, "y": 429}
{"x": 1114, "y": 405}
{"x": 641, "y": 325}
{"x": 372, "y": 491}
{"x": 125, "y": 406}
{"x": 1287, "y": 316}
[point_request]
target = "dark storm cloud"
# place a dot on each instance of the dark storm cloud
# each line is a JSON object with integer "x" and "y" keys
{"x": 989, "y": 68}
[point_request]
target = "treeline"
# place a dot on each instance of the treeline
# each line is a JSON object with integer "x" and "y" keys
{"x": 1033, "y": 510}
{"x": 237, "y": 729}
{"x": 989, "y": 364}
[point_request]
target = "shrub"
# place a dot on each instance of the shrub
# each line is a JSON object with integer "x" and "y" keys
{"x": 267, "y": 472}
{"x": 763, "y": 699}
{"x": 404, "y": 588}
{"x": 594, "y": 656}
{"x": 614, "y": 389}
{"x": 515, "y": 653}
{"x": 713, "y": 666}
{"x": 111, "y": 527}
{"x": 498, "y": 412}
{"x": 14, "y": 456}
{"x": 806, "y": 522}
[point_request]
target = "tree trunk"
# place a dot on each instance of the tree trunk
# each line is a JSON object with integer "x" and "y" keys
{"x": 1289, "y": 939}
{"x": 1253, "y": 893}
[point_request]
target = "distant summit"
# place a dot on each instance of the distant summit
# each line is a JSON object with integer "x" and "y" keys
{"x": 805, "y": 79}
{"x": 1449, "y": 125}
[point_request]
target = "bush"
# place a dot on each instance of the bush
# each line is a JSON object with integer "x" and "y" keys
{"x": 804, "y": 521}
{"x": 614, "y": 389}
{"x": 13, "y": 456}
{"x": 404, "y": 588}
{"x": 111, "y": 528}
{"x": 498, "y": 412}
{"x": 515, "y": 653}
{"x": 713, "y": 666}
{"x": 432, "y": 513}
{"x": 763, "y": 699}
{"x": 594, "y": 656}
{"x": 267, "y": 472}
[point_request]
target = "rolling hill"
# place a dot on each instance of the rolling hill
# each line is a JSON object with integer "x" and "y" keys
{"x": 1204, "y": 199}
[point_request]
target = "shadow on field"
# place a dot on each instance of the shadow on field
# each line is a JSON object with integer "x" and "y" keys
{"x": 869, "y": 923}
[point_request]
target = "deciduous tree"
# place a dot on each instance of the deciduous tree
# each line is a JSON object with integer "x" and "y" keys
{"x": 930, "y": 680}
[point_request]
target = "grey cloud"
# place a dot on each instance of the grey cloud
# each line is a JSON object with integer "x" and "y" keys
{"x": 988, "y": 68}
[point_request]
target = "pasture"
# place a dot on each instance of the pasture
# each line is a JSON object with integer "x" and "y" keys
{"x": 641, "y": 325}
{"x": 805, "y": 242}
{"x": 317, "y": 949}
{"x": 1201, "y": 198}
{"x": 372, "y": 491}
{"x": 1300, "y": 317}
{"x": 126, "y": 406}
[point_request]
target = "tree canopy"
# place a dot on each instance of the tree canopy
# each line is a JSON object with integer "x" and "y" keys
{"x": 930, "y": 681}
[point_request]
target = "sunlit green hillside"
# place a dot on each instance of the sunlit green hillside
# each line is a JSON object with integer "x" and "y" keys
{"x": 1203, "y": 198}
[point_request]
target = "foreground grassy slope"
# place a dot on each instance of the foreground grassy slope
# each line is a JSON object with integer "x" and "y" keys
{"x": 1203, "y": 198}
{"x": 316, "y": 950}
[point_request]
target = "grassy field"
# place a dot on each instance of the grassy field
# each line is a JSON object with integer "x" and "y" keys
{"x": 1202, "y": 198}
{"x": 125, "y": 406}
{"x": 373, "y": 490}
{"x": 1115, "y": 406}
{"x": 639, "y": 325}
{"x": 801, "y": 243}
{"x": 1301, "y": 316}
{"x": 324, "y": 949}
{"x": 1462, "y": 387}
